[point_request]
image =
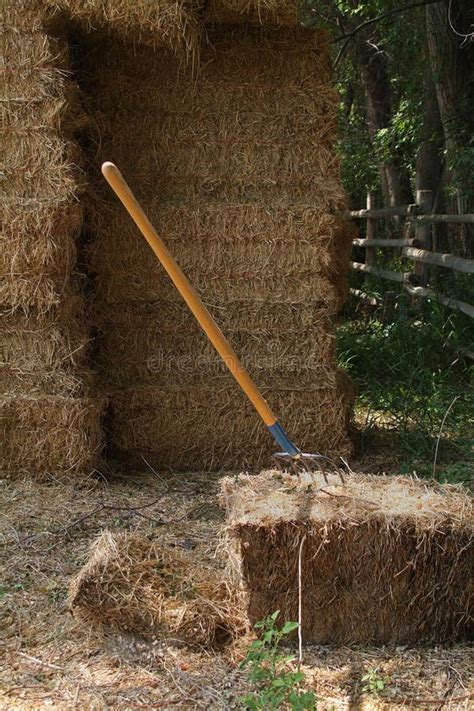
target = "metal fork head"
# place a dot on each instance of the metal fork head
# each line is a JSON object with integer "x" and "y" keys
{"x": 306, "y": 462}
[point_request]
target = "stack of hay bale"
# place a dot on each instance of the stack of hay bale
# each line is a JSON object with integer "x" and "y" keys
{"x": 235, "y": 165}
{"x": 224, "y": 122}
{"x": 49, "y": 423}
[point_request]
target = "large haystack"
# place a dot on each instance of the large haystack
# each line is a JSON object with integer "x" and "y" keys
{"x": 222, "y": 118}
{"x": 131, "y": 583}
{"x": 236, "y": 168}
{"x": 384, "y": 560}
{"x": 49, "y": 422}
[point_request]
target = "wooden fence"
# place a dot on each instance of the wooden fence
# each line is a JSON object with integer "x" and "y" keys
{"x": 416, "y": 249}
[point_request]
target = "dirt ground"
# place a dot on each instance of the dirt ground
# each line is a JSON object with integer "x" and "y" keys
{"x": 50, "y": 660}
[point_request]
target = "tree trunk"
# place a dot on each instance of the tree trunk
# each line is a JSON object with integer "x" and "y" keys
{"x": 429, "y": 159}
{"x": 375, "y": 78}
{"x": 442, "y": 61}
{"x": 451, "y": 61}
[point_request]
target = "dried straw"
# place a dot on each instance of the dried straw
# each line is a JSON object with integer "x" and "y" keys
{"x": 386, "y": 560}
{"x": 45, "y": 353}
{"x": 235, "y": 164}
{"x": 149, "y": 344}
{"x": 172, "y": 24}
{"x": 236, "y": 167}
{"x": 49, "y": 424}
{"x": 55, "y": 661}
{"x": 47, "y": 434}
{"x": 228, "y": 262}
{"x": 265, "y": 12}
{"x": 256, "y": 126}
{"x": 132, "y": 583}
{"x": 40, "y": 215}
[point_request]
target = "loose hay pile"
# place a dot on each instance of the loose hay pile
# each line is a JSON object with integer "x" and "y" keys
{"x": 384, "y": 560}
{"x": 133, "y": 584}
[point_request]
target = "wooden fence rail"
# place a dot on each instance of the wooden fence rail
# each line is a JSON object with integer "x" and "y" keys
{"x": 417, "y": 249}
{"x": 387, "y": 243}
{"x": 401, "y": 277}
{"x": 411, "y": 212}
{"x": 455, "y": 304}
{"x": 442, "y": 260}
{"x": 459, "y": 219}
{"x": 383, "y": 212}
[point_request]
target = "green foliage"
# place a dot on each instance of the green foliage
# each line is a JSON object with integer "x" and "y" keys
{"x": 408, "y": 373}
{"x": 374, "y": 682}
{"x": 275, "y": 684}
{"x": 460, "y": 164}
{"x": 400, "y": 41}
{"x": 358, "y": 165}
{"x": 401, "y": 137}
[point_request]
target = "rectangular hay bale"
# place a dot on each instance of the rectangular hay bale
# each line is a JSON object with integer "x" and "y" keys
{"x": 384, "y": 559}
{"x": 217, "y": 427}
{"x": 46, "y": 352}
{"x": 141, "y": 343}
{"x": 50, "y": 434}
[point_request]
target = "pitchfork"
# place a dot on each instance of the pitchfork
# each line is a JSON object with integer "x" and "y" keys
{"x": 291, "y": 457}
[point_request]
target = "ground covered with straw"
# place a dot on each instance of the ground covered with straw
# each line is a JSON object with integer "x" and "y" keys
{"x": 53, "y": 659}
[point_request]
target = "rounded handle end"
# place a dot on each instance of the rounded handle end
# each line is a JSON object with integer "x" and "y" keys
{"x": 108, "y": 168}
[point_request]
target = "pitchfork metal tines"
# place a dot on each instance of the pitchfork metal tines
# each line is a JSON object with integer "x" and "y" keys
{"x": 291, "y": 457}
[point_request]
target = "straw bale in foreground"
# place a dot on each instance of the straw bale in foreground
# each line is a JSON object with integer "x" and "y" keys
{"x": 385, "y": 560}
{"x": 46, "y": 434}
{"x": 132, "y": 583}
{"x": 209, "y": 428}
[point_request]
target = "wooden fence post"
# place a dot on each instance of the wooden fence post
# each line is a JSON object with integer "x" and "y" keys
{"x": 371, "y": 231}
{"x": 424, "y": 201}
{"x": 388, "y": 311}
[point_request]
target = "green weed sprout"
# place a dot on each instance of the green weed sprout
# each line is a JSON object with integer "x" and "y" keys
{"x": 274, "y": 684}
{"x": 374, "y": 682}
